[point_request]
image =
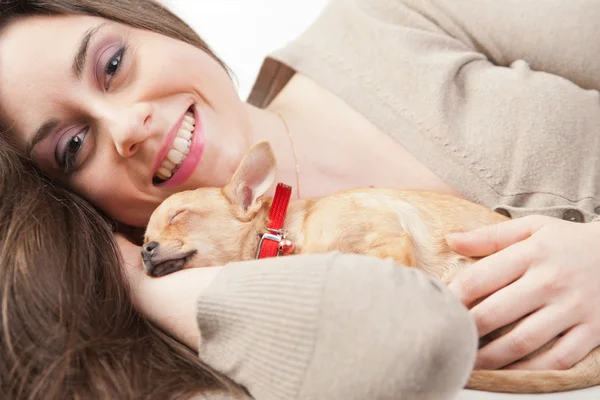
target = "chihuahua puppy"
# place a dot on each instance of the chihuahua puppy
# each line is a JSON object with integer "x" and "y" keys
{"x": 215, "y": 226}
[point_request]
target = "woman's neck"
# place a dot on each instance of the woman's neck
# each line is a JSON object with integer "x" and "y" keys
{"x": 269, "y": 126}
{"x": 311, "y": 144}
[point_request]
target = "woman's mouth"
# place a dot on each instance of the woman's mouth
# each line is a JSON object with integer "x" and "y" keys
{"x": 180, "y": 149}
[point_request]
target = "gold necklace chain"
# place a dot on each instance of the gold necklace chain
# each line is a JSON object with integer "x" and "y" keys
{"x": 289, "y": 133}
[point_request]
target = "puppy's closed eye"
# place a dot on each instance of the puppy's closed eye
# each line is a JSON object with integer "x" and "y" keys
{"x": 178, "y": 213}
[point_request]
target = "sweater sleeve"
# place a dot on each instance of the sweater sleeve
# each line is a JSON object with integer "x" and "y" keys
{"x": 335, "y": 326}
{"x": 554, "y": 36}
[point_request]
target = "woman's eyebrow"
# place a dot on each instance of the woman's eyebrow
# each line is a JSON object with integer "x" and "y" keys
{"x": 40, "y": 135}
{"x": 81, "y": 55}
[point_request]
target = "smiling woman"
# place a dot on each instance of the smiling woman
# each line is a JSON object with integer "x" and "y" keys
{"x": 125, "y": 105}
{"x": 110, "y": 101}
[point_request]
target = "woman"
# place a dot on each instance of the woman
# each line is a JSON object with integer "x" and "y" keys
{"x": 299, "y": 328}
{"x": 449, "y": 96}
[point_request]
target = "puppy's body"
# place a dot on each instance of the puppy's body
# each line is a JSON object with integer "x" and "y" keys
{"x": 406, "y": 225}
{"x": 212, "y": 226}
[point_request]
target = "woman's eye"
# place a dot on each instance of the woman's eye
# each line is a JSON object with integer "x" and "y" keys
{"x": 74, "y": 145}
{"x": 72, "y": 150}
{"x": 113, "y": 67}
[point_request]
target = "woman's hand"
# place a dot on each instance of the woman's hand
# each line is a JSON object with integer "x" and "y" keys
{"x": 169, "y": 301}
{"x": 543, "y": 268}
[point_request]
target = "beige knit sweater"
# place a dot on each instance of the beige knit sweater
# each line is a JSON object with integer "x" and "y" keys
{"x": 335, "y": 326}
{"x": 497, "y": 97}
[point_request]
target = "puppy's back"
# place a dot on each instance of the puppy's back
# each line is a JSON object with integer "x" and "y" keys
{"x": 407, "y": 225}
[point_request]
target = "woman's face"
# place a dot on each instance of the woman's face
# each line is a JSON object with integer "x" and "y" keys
{"x": 122, "y": 116}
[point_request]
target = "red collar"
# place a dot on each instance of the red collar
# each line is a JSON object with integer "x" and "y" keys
{"x": 273, "y": 242}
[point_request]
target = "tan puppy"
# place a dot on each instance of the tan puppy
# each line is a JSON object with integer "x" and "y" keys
{"x": 214, "y": 226}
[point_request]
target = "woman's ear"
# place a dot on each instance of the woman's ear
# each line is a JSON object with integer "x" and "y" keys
{"x": 253, "y": 178}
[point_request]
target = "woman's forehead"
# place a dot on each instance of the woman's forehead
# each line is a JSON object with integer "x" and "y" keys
{"x": 26, "y": 42}
{"x": 36, "y": 63}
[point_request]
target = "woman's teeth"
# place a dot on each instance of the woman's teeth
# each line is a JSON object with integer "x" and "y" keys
{"x": 179, "y": 149}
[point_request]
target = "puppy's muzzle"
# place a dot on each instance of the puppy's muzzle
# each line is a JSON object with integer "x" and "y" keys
{"x": 158, "y": 264}
{"x": 148, "y": 257}
{"x": 148, "y": 251}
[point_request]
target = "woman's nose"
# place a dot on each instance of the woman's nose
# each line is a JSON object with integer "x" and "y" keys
{"x": 131, "y": 128}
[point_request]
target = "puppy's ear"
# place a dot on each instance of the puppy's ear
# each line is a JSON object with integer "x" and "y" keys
{"x": 253, "y": 178}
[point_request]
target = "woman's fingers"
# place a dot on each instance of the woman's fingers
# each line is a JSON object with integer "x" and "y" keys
{"x": 505, "y": 307}
{"x": 529, "y": 335}
{"x": 491, "y": 274}
{"x": 566, "y": 352}
{"x": 491, "y": 239}
{"x": 552, "y": 260}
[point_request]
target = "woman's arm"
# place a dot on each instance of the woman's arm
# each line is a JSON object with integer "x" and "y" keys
{"x": 323, "y": 326}
{"x": 554, "y": 36}
{"x": 169, "y": 302}
{"x": 335, "y": 326}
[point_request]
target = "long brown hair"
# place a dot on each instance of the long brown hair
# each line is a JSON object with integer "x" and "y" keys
{"x": 68, "y": 329}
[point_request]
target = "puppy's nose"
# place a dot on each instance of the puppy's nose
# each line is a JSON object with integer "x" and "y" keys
{"x": 148, "y": 251}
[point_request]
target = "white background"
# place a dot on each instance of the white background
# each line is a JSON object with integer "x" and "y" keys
{"x": 243, "y": 32}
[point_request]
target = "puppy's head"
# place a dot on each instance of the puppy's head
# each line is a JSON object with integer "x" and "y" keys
{"x": 204, "y": 227}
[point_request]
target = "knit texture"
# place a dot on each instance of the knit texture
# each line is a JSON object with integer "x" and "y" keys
{"x": 335, "y": 326}
{"x": 498, "y": 98}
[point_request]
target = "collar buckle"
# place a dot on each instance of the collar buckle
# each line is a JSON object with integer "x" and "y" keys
{"x": 274, "y": 235}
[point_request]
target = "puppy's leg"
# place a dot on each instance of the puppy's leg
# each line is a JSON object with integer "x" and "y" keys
{"x": 400, "y": 249}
